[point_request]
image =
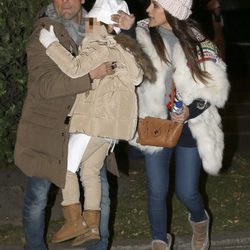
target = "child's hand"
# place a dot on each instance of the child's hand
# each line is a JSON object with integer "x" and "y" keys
{"x": 106, "y": 68}
{"x": 47, "y": 37}
{"x": 123, "y": 20}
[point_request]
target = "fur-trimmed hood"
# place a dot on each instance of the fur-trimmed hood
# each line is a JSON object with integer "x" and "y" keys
{"x": 141, "y": 57}
{"x": 127, "y": 43}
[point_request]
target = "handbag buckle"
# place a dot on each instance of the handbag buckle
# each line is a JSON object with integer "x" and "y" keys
{"x": 156, "y": 132}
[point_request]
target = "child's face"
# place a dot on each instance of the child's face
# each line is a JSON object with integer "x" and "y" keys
{"x": 93, "y": 26}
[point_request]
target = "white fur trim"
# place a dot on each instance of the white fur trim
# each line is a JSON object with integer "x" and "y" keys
{"x": 206, "y": 128}
{"x": 151, "y": 96}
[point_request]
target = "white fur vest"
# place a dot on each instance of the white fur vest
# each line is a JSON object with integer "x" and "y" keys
{"x": 206, "y": 128}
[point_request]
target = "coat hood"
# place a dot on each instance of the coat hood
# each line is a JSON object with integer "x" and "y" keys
{"x": 141, "y": 57}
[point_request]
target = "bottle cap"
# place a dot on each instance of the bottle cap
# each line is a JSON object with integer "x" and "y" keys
{"x": 178, "y": 104}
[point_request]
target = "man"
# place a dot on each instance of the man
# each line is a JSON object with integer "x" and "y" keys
{"x": 42, "y": 137}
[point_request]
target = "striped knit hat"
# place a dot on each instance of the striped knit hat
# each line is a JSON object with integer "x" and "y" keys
{"x": 180, "y": 9}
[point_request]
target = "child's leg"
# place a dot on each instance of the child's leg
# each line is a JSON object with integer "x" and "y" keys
{"x": 70, "y": 192}
{"x": 76, "y": 147}
{"x": 72, "y": 210}
{"x": 93, "y": 159}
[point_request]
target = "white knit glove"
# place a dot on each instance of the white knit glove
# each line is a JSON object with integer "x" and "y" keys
{"x": 47, "y": 37}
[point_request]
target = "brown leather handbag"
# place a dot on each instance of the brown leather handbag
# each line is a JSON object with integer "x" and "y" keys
{"x": 159, "y": 132}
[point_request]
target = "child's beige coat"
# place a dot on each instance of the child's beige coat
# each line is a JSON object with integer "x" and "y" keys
{"x": 111, "y": 109}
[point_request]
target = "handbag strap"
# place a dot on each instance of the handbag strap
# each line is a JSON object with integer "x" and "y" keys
{"x": 172, "y": 93}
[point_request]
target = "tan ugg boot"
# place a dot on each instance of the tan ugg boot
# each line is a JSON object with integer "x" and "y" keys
{"x": 92, "y": 236}
{"x": 161, "y": 245}
{"x": 200, "y": 238}
{"x": 73, "y": 225}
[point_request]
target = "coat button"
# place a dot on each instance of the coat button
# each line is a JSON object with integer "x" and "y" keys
{"x": 68, "y": 107}
{"x": 62, "y": 133}
{"x": 59, "y": 161}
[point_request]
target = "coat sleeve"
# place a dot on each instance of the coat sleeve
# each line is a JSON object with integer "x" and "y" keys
{"x": 215, "y": 91}
{"x": 90, "y": 56}
{"x": 45, "y": 75}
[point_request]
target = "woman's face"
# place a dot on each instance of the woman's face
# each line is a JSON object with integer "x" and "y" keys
{"x": 156, "y": 15}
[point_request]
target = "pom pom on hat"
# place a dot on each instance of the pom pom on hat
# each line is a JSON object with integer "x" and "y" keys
{"x": 103, "y": 9}
{"x": 180, "y": 9}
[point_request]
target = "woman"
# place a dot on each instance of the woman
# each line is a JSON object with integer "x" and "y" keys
{"x": 181, "y": 53}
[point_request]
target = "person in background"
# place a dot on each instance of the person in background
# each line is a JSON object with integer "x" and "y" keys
{"x": 43, "y": 130}
{"x": 208, "y": 14}
{"x": 100, "y": 117}
{"x": 181, "y": 53}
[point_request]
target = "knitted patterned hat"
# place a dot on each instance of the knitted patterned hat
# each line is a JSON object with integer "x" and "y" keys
{"x": 103, "y": 9}
{"x": 180, "y": 9}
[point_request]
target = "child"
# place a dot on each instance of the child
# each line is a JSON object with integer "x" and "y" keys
{"x": 99, "y": 117}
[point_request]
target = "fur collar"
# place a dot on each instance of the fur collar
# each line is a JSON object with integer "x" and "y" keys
{"x": 141, "y": 57}
{"x": 215, "y": 91}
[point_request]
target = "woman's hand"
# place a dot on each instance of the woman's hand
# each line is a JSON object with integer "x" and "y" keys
{"x": 180, "y": 118}
{"x": 123, "y": 20}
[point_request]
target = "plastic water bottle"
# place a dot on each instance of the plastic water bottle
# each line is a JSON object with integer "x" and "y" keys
{"x": 178, "y": 106}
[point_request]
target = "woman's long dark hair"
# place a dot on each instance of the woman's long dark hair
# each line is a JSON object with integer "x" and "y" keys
{"x": 184, "y": 31}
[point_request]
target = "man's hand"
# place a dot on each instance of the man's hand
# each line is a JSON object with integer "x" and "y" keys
{"x": 47, "y": 37}
{"x": 107, "y": 68}
{"x": 123, "y": 20}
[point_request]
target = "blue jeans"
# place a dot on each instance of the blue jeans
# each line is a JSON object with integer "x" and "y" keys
{"x": 187, "y": 172}
{"x": 35, "y": 202}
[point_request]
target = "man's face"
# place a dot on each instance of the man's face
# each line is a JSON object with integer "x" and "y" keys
{"x": 69, "y": 9}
